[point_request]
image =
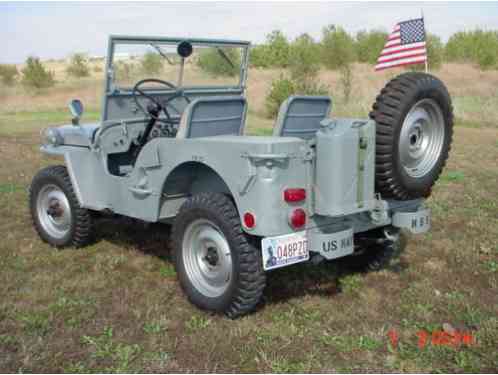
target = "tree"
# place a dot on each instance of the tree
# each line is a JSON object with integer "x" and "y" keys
{"x": 220, "y": 61}
{"x": 478, "y": 46}
{"x": 35, "y": 75}
{"x": 369, "y": 44}
{"x": 278, "y": 49}
{"x": 258, "y": 56}
{"x": 78, "y": 66}
{"x": 152, "y": 63}
{"x": 304, "y": 58}
{"x": 337, "y": 47}
{"x": 8, "y": 73}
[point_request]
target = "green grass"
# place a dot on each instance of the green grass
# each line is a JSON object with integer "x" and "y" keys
{"x": 116, "y": 306}
{"x": 26, "y": 122}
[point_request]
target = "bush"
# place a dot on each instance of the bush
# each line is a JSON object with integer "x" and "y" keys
{"x": 478, "y": 46}
{"x": 8, "y": 73}
{"x": 34, "y": 74}
{"x": 213, "y": 62}
{"x": 78, "y": 66}
{"x": 284, "y": 87}
{"x": 487, "y": 50}
{"x": 152, "y": 63}
{"x": 337, "y": 47}
{"x": 258, "y": 56}
{"x": 346, "y": 81}
{"x": 280, "y": 90}
{"x": 369, "y": 44}
{"x": 124, "y": 71}
{"x": 304, "y": 58}
{"x": 278, "y": 49}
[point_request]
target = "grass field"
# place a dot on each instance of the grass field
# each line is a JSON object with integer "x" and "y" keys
{"x": 116, "y": 306}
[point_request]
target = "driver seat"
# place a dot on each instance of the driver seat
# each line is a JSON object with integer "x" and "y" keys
{"x": 212, "y": 116}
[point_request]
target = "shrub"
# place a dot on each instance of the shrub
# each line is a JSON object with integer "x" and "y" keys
{"x": 8, "y": 73}
{"x": 278, "y": 49}
{"x": 152, "y": 63}
{"x": 284, "y": 87}
{"x": 280, "y": 90}
{"x": 346, "y": 79}
{"x": 337, "y": 47}
{"x": 304, "y": 58}
{"x": 487, "y": 50}
{"x": 78, "y": 66}
{"x": 478, "y": 46}
{"x": 258, "y": 56}
{"x": 369, "y": 44}
{"x": 97, "y": 69}
{"x": 34, "y": 74}
{"x": 212, "y": 61}
{"x": 124, "y": 71}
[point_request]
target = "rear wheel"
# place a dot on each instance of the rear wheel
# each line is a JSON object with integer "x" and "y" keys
{"x": 414, "y": 123}
{"x": 376, "y": 250}
{"x": 217, "y": 266}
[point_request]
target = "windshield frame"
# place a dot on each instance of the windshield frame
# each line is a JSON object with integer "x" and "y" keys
{"x": 111, "y": 88}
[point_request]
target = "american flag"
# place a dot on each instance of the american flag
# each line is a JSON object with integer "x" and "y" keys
{"x": 404, "y": 46}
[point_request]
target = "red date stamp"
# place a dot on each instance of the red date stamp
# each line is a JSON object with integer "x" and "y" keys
{"x": 436, "y": 338}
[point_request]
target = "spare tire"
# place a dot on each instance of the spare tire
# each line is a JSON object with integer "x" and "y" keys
{"x": 414, "y": 128}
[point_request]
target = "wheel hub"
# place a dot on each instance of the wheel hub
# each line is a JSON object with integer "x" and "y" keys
{"x": 212, "y": 257}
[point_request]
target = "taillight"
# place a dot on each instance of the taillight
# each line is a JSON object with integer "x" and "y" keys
{"x": 297, "y": 218}
{"x": 294, "y": 195}
{"x": 249, "y": 220}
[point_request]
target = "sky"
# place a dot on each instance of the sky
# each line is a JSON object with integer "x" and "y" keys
{"x": 55, "y": 30}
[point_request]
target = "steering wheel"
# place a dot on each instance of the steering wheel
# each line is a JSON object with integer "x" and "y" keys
{"x": 160, "y": 106}
{"x": 155, "y": 106}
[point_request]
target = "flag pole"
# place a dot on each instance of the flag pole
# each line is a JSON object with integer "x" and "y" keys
{"x": 426, "y": 55}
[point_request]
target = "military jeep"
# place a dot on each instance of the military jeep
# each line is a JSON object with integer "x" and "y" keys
{"x": 171, "y": 147}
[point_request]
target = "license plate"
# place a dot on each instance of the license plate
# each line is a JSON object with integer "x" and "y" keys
{"x": 416, "y": 222}
{"x": 333, "y": 245}
{"x": 284, "y": 250}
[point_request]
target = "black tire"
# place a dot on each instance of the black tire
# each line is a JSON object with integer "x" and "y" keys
{"x": 247, "y": 279}
{"x": 376, "y": 251}
{"x": 80, "y": 232}
{"x": 389, "y": 111}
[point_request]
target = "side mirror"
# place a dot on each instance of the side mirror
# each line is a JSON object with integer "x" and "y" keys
{"x": 76, "y": 108}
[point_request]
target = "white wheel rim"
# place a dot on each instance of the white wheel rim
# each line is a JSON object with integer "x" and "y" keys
{"x": 422, "y": 138}
{"x": 207, "y": 258}
{"x": 54, "y": 211}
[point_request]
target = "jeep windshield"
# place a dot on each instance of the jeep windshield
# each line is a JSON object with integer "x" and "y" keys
{"x": 209, "y": 65}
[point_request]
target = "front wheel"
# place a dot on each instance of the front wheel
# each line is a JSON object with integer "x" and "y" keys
{"x": 217, "y": 266}
{"x": 55, "y": 210}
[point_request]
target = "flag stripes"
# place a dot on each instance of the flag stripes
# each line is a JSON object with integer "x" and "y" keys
{"x": 405, "y": 45}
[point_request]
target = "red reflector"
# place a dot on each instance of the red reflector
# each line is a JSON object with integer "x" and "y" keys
{"x": 249, "y": 220}
{"x": 298, "y": 218}
{"x": 294, "y": 195}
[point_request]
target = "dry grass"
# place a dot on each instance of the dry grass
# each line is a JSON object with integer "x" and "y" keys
{"x": 115, "y": 306}
{"x": 474, "y": 93}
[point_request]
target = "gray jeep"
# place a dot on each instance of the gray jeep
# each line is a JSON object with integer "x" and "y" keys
{"x": 171, "y": 148}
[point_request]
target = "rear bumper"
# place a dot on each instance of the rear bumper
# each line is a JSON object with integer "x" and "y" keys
{"x": 337, "y": 240}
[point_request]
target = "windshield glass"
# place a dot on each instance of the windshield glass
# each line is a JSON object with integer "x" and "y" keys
{"x": 207, "y": 66}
